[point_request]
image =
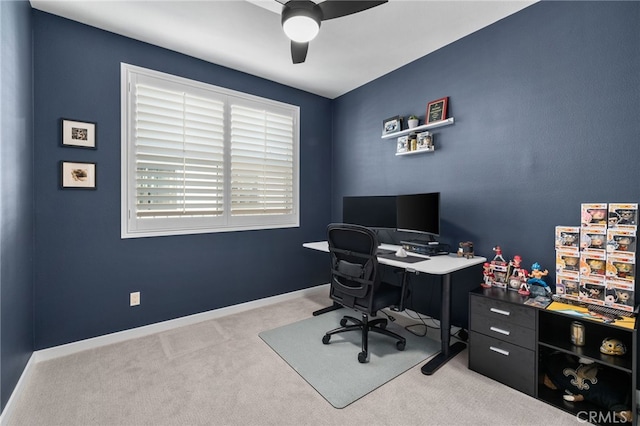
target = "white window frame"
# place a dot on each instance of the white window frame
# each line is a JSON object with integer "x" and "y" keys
{"x": 133, "y": 227}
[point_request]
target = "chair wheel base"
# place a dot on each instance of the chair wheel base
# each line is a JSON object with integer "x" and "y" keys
{"x": 363, "y": 357}
{"x": 400, "y": 345}
{"x": 326, "y": 338}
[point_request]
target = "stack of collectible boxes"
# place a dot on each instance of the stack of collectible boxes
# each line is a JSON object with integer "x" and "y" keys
{"x": 596, "y": 262}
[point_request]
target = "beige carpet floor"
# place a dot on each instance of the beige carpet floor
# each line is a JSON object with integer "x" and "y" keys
{"x": 219, "y": 372}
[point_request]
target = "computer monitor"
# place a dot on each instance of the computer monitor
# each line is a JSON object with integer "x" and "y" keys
{"x": 418, "y": 213}
{"x": 378, "y": 211}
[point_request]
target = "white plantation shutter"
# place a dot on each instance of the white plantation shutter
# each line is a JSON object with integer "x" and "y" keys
{"x": 179, "y": 140}
{"x": 198, "y": 158}
{"x": 262, "y": 162}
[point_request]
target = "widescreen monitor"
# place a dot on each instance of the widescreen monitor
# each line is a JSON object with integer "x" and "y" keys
{"x": 418, "y": 213}
{"x": 378, "y": 211}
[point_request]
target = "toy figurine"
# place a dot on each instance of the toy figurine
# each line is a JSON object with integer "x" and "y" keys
{"x": 499, "y": 269}
{"x": 465, "y": 249}
{"x": 570, "y": 263}
{"x": 498, "y": 259}
{"x": 597, "y": 216}
{"x": 623, "y": 297}
{"x": 627, "y": 217}
{"x": 517, "y": 275}
{"x": 535, "y": 281}
{"x": 488, "y": 276}
{"x": 569, "y": 239}
{"x": 571, "y": 287}
{"x": 596, "y": 266}
{"x": 610, "y": 296}
{"x": 622, "y": 242}
{"x": 624, "y": 270}
{"x": 595, "y": 241}
{"x": 524, "y": 287}
{"x": 614, "y": 218}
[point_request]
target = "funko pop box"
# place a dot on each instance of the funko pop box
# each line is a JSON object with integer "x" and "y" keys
{"x": 623, "y": 216}
{"x": 594, "y": 214}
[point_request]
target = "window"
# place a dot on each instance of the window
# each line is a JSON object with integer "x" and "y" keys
{"x": 198, "y": 158}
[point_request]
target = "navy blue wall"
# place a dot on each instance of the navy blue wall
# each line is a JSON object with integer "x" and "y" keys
{"x": 16, "y": 194}
{"x": 85, "y": 272}
{"x": 546, "y": 105}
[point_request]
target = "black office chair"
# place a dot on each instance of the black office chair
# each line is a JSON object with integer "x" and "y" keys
{"x": 355, "y": 283}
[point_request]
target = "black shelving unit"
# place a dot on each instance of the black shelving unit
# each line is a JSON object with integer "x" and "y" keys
{"x": 554, "y": 335}
{"x": 509, "y": 338}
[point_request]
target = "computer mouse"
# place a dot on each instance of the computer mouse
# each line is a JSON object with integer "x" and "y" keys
{"x": 401, "y": 252}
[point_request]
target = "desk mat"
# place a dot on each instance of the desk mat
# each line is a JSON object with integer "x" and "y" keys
{"x": 333, "y": 370}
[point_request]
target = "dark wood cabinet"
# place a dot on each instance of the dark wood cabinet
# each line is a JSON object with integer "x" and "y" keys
{"x": 509, "y": 341}
{"x": 502, "y": 338}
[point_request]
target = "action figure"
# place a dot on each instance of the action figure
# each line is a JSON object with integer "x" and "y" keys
{"x": 488, "y": 276}
{"x": 535, "y": 280}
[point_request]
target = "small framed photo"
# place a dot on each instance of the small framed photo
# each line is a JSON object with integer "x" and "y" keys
{"x": 77, "y": 175}
{"x": 437, "y": 110}
{"x": 392, "y": 125}
{"x": 403, "y": 144}
{"x": 78, "y": 134}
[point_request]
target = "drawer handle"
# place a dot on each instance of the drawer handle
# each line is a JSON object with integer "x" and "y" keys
{"x": 500, "y": 311}
{"x": 500, "y": 351}
{"x": 499, "y": 330}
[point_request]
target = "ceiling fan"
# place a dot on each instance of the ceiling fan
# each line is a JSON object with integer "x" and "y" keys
{"x": 301, "y": 20}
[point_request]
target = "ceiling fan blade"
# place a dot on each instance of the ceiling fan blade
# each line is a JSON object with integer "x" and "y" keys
{"x": 337, "y": 8}
{"x": 299, "y": 52}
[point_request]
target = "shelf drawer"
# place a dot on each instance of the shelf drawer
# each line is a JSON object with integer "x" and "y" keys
{"x": 521, "y": 315}
{"x": 505, "y": 330}
{"x": 509, "y": 364}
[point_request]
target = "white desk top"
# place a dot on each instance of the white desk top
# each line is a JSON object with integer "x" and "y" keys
{"x": 437, "y": 265}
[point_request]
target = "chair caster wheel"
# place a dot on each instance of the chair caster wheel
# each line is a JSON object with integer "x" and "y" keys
{"x": 400, "y": 345}
{"x": 363, "y": 357}
{"x": 326, "y": 338}
{"x": 343, "y": 322}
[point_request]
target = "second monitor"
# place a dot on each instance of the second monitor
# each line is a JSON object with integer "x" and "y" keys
{"x": 416, "y": 213}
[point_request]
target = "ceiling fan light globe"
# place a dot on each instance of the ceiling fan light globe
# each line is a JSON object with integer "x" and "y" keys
{"x": 301, "y": 28}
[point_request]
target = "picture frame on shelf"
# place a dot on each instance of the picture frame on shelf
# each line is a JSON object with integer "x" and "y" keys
{"x": 392, "y": 125}
{"x": 436, "y": 110}
{"x": 425, "y": 141}
{"x": 403, "y": 144}
{"x": 78, "y": 134}
{"x": 77, "y": 175}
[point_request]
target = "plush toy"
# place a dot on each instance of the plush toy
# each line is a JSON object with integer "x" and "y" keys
{"x": 585, "y": 380}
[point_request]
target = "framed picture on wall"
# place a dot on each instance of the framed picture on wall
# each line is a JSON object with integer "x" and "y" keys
{"x": 78, "y": 134}
{"x": 436, "y": 110}
{"x": 77, "y": 175}
{"x": 392, "y": 125}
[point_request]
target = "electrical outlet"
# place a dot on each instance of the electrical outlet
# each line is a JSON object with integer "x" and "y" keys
{"x": 134, "y": 298}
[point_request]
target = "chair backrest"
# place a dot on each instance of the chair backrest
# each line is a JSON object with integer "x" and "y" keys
{"x": 354, "y": 265}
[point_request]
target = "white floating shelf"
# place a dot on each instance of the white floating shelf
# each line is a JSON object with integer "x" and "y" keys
{"x": 417, "y": 129}
{"x": 418, "y": 151}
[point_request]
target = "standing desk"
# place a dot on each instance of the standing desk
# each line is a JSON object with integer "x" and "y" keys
{"x": 443, "y": 266}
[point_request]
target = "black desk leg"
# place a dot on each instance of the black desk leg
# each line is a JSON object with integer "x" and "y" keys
{"x": 446, "y": 352}
{"x": 333, "y": 307}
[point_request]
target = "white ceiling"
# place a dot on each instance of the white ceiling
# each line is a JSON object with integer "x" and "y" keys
{"x": 246, "y": 35}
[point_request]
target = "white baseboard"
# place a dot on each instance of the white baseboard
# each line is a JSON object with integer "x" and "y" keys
{"x": 82, "y": 345}
{"x": 107, "y": 339}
